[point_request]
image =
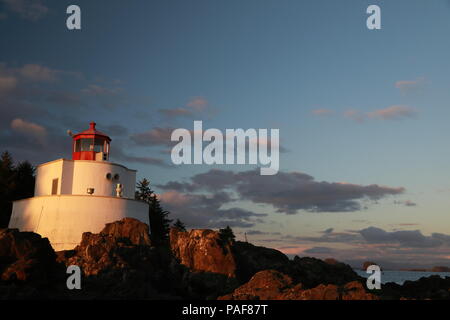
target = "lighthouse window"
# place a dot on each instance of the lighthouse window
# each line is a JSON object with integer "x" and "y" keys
{"x": 98, "y": 145}
{"x": 84, "y": 145}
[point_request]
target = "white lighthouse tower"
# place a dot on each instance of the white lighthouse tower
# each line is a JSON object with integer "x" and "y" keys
{"x": 79, "y": 195}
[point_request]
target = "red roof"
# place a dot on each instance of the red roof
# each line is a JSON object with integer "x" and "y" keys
{"x": 92, "y": 131}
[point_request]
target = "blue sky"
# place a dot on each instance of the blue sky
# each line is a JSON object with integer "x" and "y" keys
{"x": 352, "y": 105}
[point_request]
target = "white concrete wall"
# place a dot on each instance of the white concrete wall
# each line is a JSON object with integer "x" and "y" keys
{"x": 63, "y": 219}
{"x": 75, "y": 176}
{"x": 45, "y": 175}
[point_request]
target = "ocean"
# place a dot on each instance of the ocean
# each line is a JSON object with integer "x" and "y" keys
{"x": 401, "y": 276}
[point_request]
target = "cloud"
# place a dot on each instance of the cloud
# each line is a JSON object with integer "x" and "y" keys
{"x": 30, "y": 129}
{"x": 7, "y": 83}
{"x": 321, "y": 112}
{"x": 97, "y": 90}
{"x": 206, "y": 211}
{"x": 407, "y": 203}
{"x": 35, "y": 72}
{"x": 154, "y": 137}
{"x": 258, "y": 233}
{"x": 406, "y": 238}
{"x": 120, "y": 155}
{"x": 198, "y": 104}
{"x": 395, "y": 112}
{"x": 195, "y": 107}
{"x": 326, "y": 237}
{"x": 32, "y": 10}
{"x": 410, "y": 86}
{"x": 288, "y": 192}
{"x": 319, "y": 250}
{"x": 390, "y": 249}
{"x": 25, "y": 94}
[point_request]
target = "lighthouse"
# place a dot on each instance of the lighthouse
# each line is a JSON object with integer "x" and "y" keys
{"x": 81, "y": 194}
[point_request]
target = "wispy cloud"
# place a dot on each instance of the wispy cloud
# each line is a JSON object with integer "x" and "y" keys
{"x": 410, "y": 86}
{"x": 395, "y": 112}
{"x": 32, "y": 10}
{"x": 196, "y": 106}
{"x": 322, "y": 112}
{"x": 30, "y": 129}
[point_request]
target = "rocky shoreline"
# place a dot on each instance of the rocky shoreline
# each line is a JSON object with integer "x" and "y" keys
{"x": 121, "y": 263}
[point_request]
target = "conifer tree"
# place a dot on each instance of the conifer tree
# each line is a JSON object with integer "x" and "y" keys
{"x": 16, "y": 182}
{"x": 179, "y": 225}
{"x": 158, "y": 217}
{"x": 227, "y": 235}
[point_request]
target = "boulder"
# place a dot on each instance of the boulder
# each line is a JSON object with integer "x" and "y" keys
{"x": 251, "y": 259}
{"x": 273, "y": 285}
{"x": 26, "y": 257}
{"x": 264, "y": 285}
{"x": 312, "y": 272}
{"x": 120, "y": 244}
{"x": 203, "y": 250}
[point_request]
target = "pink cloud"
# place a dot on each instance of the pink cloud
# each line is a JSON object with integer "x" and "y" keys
{"x": 321, "y": 112}
{"x": 393, "y": 112}
{"x": 30, "y": 129}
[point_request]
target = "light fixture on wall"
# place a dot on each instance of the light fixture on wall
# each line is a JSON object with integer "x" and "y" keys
{"x": 90, "y": 191}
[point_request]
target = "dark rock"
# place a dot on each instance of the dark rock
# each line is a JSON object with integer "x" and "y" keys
{"x": 264, "y": 285}
{"x": 312, "y": 272}
{"x": 433, "y": 287}
{"x": 273, "y": 285}
{"x": 26, "y": 257}
{"x": 251, "y": 259}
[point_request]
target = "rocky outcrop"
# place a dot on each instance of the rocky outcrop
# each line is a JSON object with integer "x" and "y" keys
{"x": 265, "y": 285}
{"x": 433, "y": 287}
{"x": 273, "y": 285}
{"x": 203, "y": 250}
{"x": 250, "y": 259}
{"x": 121, "y": 263}
{"x": 118, "y": 245}
{"x": 312, "y": 272}
{"x": 26, "y": 257}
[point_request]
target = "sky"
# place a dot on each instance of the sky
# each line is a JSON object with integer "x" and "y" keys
{"x": 363, "y": 114}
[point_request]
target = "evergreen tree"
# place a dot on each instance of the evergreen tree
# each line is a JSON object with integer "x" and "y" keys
{"x": 227, "y": 235}
{"x": 24, "y": 179}
{"x": 158, "y": 217}
{"x": 179, "y": 225}
{"x": 16, "y": 182}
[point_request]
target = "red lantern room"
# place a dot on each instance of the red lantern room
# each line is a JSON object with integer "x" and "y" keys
{"x": 90, "y": 145}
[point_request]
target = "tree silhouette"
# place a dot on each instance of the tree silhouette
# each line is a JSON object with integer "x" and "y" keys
{"x": 179, "y": 225}
{"x": 16, "y": 182}
{"x": 158, "y": 217}
{"x": 227, "y": 235}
